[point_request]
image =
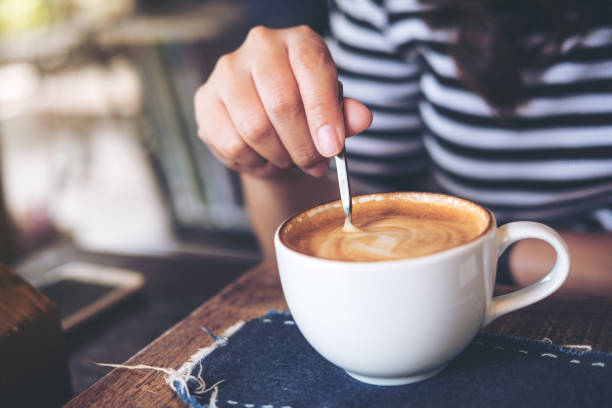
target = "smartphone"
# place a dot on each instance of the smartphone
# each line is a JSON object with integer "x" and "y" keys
{"x": 82, "y": 290}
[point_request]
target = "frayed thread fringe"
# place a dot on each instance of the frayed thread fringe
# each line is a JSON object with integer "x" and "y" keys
{"x": 177, "y": 379}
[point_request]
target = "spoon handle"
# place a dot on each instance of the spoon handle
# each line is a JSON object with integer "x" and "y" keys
{"x": 342, "y": 170}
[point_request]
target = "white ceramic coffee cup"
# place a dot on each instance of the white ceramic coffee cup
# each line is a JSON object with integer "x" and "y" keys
{"x": 401, "y": 321}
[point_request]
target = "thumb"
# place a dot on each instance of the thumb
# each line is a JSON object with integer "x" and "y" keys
{"x": 357, "y": 117}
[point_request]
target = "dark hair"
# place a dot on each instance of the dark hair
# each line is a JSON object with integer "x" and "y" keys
{"x": 498, "y": 39}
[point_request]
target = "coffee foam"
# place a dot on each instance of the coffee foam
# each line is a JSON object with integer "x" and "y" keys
{"x": 395, "y": 226}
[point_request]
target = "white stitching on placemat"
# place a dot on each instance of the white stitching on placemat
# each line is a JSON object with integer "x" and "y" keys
{"x": 249, "y": 405}
{"x": 581, "y": 347}
{"x": 550, "y": 355}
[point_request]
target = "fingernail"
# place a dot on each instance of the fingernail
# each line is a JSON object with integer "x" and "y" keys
{"x": 328, "y": 140}
{"x": 318, "y": 170}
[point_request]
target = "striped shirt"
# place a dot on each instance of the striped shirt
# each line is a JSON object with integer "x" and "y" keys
{"x": 551, "y": 162}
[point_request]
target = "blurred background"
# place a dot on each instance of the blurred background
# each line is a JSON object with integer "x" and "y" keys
{"x": 100, "y": 160}
{"x": 96, "y": 120}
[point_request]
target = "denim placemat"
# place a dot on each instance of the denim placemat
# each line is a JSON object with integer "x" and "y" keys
{"x": 267, "y": 363}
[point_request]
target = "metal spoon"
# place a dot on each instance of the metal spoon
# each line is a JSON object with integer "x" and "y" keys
{"x": 343, "y": 180}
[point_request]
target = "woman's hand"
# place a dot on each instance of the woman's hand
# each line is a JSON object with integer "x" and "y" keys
{"x": 273, "y": 104}
{"x": 591, "y": 262}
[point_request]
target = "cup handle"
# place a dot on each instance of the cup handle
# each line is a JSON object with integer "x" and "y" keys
{"x": 515, "y": 231}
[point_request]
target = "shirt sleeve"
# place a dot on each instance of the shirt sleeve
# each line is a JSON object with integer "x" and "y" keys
{"x": 390, "y": 155}
{"x": 550, "y": 162}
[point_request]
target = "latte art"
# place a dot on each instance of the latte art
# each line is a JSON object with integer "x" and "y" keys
{"x": 388, "y": 227}
{"x": 394, "y": 237}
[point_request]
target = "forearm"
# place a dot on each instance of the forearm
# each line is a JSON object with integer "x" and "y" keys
{"x": 271, "y": 201}
{"x": 591, "y": 262}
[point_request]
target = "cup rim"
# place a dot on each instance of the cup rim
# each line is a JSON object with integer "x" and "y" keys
{"x": 425, "y": 258}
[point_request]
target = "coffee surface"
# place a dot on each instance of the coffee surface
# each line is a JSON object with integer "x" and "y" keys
{"x": 395, "y": 230}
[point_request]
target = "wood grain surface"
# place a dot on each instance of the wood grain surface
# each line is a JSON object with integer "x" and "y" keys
{"x": 562, "y": 319}
{"x": 32, "y": 348}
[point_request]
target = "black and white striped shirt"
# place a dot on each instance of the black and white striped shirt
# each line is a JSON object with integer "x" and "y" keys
{"x": 552, "y": 161}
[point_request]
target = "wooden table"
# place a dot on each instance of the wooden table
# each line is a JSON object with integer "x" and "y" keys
{"x": 560, "y": 318}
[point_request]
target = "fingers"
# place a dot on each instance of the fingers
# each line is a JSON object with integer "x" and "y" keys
{"x": 317, "y": 79}
{"x": 250, "y": 119}
{"x": 357, "y": 116}
{"x": 273, "y": 104}
{"x": 266, "y": 170}
{"x": 280, "y": 96}
{"x": 224, "y": 140}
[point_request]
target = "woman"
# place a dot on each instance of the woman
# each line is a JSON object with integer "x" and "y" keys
{"x": 505, "y": 103}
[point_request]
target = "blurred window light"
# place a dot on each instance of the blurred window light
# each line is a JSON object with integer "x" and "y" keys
{"x": 103, "y": 90}
{"x": 17, "y": 81}
{"x": 19, "y": 15}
